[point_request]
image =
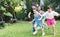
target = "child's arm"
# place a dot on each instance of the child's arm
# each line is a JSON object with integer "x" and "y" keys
{"x": 39, "y": 14}
{"x": 56, "y": 14}
{"x": 41, "y": 18}
{"x": 33, "y": 20}
{"x": 29, "y": 14}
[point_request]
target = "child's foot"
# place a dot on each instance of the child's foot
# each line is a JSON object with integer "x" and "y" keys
{"x": 43, "y": 33}
{"x": 34, "y": 33}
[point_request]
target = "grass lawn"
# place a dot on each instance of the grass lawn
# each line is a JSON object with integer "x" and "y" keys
{"x": 24, "y": 29}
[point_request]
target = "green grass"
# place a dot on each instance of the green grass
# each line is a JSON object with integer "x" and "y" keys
{"x": 24, "y": 29}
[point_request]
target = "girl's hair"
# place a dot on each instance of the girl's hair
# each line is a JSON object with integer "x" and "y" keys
{"x": 49, "y": 7}
{"x": 34, "y": 4}
{"x": 40, "y": 7}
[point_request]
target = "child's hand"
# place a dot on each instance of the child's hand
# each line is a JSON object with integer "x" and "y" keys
{"x": 40, "y": 19}
{"x": 59, "y": 14}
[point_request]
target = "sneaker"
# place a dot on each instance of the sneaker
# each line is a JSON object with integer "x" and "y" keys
{"x": 34, "y": 33}
{"x": 54, "y": 33}
{"x": 43, "y": 33}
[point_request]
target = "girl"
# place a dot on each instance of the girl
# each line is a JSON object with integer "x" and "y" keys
{"x": 37, "y": 22}
{"x": 34, "y": 5}
{"x": 50, "y": 18}
{"x": 42, "y": 12}
{"x": 31, "y": 13}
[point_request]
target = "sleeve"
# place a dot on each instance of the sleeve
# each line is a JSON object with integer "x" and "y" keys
{"x": 55, "y": 13}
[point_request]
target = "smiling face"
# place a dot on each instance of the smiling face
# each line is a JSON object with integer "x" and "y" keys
{"x": 49, "y": 9}
{"x": 35, "y": 11}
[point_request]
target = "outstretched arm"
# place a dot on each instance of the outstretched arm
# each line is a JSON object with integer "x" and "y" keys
{"x": 56, "y": 13}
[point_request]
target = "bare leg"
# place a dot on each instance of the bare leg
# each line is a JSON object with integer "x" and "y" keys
{"x": 35, "y": 27}
{"x": 53, "y": 28}
{"x": 43, "y": 33}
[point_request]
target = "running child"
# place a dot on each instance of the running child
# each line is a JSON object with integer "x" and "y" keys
{"x": 37, "y": 22}
{"x": 42, "y": 13}
{"x": 50, "y": 18}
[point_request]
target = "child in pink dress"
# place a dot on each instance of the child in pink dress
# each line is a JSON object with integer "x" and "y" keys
{"x": 50, "y": 18}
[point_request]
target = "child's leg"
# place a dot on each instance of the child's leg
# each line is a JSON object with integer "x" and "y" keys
{"x": 35, "y": 27}
{"x": 38, "y": 27}
{"x": 53, "y": 22}
{"x": 46, "y": 25}
{"x": 53, "y": 28}
{"x": 43, "y": 33}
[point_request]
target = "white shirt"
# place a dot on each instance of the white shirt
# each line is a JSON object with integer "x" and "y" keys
{"x": 50, "y": 15}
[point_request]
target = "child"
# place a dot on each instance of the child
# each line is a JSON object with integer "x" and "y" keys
{"x": 42, "y": 12}
{"x": 37, "y": 22}
{"x": 50, "y": 18}
{"x": 34, "y": 5}
{"x": 31, "y": 13}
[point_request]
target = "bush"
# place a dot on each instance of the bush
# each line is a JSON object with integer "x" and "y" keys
{"x": 21, "y": 15}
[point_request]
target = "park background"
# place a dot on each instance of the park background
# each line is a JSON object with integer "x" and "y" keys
{"x": 14, "y": 13}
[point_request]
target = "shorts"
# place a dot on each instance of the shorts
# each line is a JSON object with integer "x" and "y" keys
{"x": 50, "y": 22}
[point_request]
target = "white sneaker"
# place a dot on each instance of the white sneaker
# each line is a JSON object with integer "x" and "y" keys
{"x": 43, "y": 33}
{"x": 34, "y": 33}
{"x": 54, "y": 33}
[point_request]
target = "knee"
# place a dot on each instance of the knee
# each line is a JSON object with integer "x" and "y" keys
{"x": 35, "y": 26}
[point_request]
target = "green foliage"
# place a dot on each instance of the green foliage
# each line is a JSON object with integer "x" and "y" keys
{"x": 5, "y": 12}
{"x": 20, "y": 12}
{"x": 18, "y": 9}
{"x": 8, "y": 14}
{"x": 21, "y": 15}
{"x": 29, "y": 2}
{"x": 16, "y": 2}
{"x": 2, "y": 8}
{"x": 52, "y": 3}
